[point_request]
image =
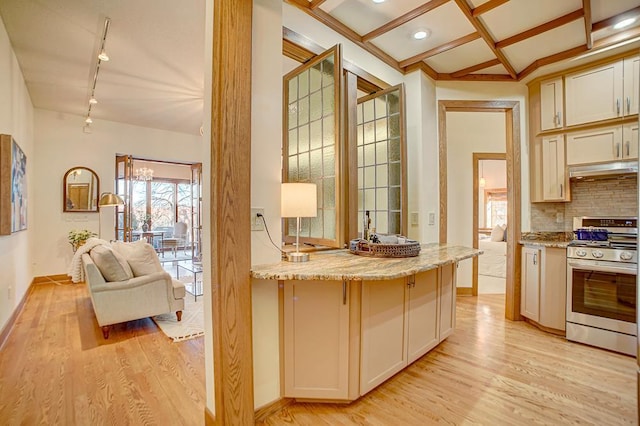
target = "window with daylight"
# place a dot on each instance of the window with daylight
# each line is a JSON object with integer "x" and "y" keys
{"x": 496, "y": 207}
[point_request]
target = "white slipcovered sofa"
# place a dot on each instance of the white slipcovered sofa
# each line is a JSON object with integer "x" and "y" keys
{"x": 126, "y": 282}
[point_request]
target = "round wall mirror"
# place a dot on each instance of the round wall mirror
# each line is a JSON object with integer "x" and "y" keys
{"x": 81, "y": 190}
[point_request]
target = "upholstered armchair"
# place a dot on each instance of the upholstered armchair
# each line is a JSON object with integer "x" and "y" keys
{"x": 119, "y": 294}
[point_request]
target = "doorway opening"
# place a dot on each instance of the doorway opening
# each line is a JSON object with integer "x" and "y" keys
{"x": 511, "y": 110}
{"x": 163, "y": 204}
{"x": 490, "y": 206}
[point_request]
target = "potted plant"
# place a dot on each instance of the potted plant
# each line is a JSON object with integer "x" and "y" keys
{"x": 79, "y": 237}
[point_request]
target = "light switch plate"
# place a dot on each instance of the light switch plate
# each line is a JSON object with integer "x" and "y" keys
{"x": 256, "y": 222}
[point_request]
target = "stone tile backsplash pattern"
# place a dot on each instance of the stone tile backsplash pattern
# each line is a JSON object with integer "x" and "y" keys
{"x": 605, "y": 197}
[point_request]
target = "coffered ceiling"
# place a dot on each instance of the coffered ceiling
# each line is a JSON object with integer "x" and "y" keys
{"x": 155, "y": 77}
{"x": 493, "y": 40}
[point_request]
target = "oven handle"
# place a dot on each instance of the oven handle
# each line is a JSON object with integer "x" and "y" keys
{"x": 625, "y": 268}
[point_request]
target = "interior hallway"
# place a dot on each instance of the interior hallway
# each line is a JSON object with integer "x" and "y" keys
{"x": 55, "y": 368}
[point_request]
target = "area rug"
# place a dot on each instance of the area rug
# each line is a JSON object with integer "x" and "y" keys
{"x": 192, "y": 324}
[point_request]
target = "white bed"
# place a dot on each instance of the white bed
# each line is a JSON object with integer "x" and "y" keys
{"x": 493, "y": 262}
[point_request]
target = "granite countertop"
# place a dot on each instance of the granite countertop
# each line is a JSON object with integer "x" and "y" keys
{"x": 547, "y": 239}
{"x": 343, "y": 265}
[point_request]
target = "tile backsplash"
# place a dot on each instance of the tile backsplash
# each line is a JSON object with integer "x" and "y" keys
{"x": 605, "y": 197}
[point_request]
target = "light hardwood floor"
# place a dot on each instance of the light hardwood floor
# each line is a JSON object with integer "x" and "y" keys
{"x": 56, "y": 369}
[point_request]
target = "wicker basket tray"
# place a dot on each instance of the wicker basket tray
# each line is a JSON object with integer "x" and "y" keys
{"x": 366, "y": 248}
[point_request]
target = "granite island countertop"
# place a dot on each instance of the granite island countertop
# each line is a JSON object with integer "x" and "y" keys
{"x": 343, "y": 265}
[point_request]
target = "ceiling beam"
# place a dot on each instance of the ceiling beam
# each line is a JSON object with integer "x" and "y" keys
{"x": 631, "y": 13}
{"x": 479, "y": 26}
{"x": 476, "y": 77}
{"x": 475, "y": 68}
{"x": 439, "y": 49}
{"x": 547, "y": 26}
{"x": 315, "y": 3}
{"x": 421, "y": 10}
{"x": 485, "y": 7}
{"x": 329, "y": 21}
{"x": 556, "y": 57}
{"x": 586, "y": 6}
{"x": 424, "y": 68}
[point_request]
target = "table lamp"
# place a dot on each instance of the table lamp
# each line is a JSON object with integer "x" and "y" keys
{"x": 107, "y": 199}
{"x": 299, "y": 200}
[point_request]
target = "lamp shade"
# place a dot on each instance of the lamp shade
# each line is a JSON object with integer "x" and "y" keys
{"x": 299, "y": 200}
{"x": 109, "y": 199}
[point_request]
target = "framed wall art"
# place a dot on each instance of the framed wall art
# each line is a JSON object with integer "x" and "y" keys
{"x": 13, "y": 186}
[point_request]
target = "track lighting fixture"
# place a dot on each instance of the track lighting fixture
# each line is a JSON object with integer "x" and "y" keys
{"x": 102, "y": 57}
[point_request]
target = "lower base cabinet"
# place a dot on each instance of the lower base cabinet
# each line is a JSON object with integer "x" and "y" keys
{"x": 544, "y": 286}
{"x": 343, "y": 339}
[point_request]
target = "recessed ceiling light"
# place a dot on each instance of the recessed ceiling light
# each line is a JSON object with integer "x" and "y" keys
{"x": 624, "y": 23}
{"x": 378, "y": 1}
{"x": 421, "y": 34}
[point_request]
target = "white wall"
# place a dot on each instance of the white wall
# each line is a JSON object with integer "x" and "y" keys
{"x": 16, "y": 119}
{"x": 467, "y": 132}
{"x": 266, "y": 176}
{"x": 422, "y": 156}
{"x": 60, "y": 144}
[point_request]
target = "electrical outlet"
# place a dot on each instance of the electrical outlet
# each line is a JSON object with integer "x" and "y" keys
{"x": 256, "y": 222}
{"x": 415, "y": 218}
{"x": 432, "y": 218}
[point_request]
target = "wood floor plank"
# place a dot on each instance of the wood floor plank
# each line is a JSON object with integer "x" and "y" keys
{"x": 57, "y": 369}
{"x": 494, "y": 372}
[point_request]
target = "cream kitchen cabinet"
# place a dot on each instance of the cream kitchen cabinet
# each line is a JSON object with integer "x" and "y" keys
{"x": 530, "y": 286}
{"x": 603, "y": 144}
{"x": 316, "y": 344}
{"x": 543, "y": 287}
{"x": 554, "y": 183}
{"x": 447, "y": 298}
{"x": 402, "y": 320}
{"x": 630, "y": 141}
{"x": 603, "y": 92}
{"x": 551, "y": 104}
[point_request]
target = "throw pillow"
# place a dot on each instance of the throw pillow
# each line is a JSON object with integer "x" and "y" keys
{"x": 497, "y": 233}
{"x": 112, "y": 265}
{"x": 141, "y": 257}
{"x": 505, "y": 233}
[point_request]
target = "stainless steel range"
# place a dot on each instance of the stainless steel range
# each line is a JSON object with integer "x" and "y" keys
{"x": 601, "y": 283}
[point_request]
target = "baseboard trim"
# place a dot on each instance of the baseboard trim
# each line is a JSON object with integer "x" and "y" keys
{"x": 464, "y": 291}
{"x": 6, "y": 330}
{"x": 58, "y": 278}
{"x": 267, "y": 410}
{"x": 209, "y": 417}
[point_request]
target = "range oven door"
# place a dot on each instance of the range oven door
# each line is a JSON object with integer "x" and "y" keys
{"x": 602, "y": 294}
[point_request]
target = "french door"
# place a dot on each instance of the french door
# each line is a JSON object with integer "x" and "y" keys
{"x": 124, "y": 188}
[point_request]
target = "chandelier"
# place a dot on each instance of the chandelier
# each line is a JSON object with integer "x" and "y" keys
{"x": 143, "y": 174}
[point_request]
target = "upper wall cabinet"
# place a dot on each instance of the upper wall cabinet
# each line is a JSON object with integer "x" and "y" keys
{"x": 551, "y": 104}
{"x": 604, "y": 92}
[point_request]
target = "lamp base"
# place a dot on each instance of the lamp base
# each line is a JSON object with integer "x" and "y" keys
{"x": 298, "y": 257}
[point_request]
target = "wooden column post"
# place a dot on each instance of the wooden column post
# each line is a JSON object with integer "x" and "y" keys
{"x": 230, "y": 208}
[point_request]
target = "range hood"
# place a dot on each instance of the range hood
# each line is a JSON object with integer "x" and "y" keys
{"x": 615, "y": 169}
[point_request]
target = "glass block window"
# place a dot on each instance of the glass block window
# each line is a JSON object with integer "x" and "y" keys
{"x": 311, "y": 140}
{"x": 380, "y": 151}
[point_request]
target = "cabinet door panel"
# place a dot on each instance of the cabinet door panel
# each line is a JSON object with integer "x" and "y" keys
{"x": 551, "y": 104}
{"x": 594, "y": 94}
{"x": 447, "y": 300}
{"x": 423, "y": 314}
{"x": 316, "y": 323}
{"x": 631, "y": 84}
{"x": 594, "y": 146}
{"x": 384, "y": 329}
{"x": 530, "y": 291}
{"x": 553, "y": 166}
{"x": 630, "y": 141}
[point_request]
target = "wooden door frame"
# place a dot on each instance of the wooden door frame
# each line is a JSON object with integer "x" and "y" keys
{"x": 512, "y": 116}
{"x": 477, "y": 157}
